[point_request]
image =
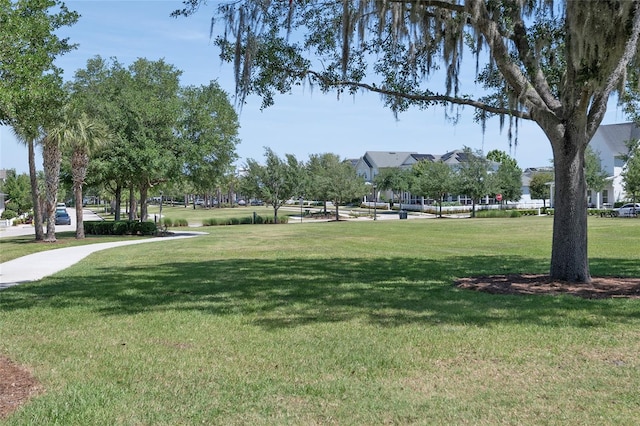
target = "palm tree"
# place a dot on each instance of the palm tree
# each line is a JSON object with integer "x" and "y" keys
{"x": 51, "y": 160}
{"x": 79, "y": 134}
{"x": 28, "y": 135}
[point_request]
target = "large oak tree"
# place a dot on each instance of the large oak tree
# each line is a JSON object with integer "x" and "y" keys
{"x": 554, "y": 62}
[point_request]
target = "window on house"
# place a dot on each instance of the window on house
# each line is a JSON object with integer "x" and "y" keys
{"x": 605, "y": 196}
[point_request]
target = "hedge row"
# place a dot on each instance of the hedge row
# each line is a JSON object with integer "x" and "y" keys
{"x": 168, "y": 222}
{"x": 513, "y": 213}
{"x": 247, "y": 220}
{"x": 121, "y": 227}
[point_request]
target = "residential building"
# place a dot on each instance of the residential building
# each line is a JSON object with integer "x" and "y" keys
{"x": 609, "y": 143}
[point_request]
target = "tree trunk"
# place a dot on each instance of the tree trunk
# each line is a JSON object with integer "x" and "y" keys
{"x": 132, "y": 203}
{"x": 118, "y": 195}
{"x": 35, "y": 192}
{"x": 337, "y": 212}
{"x": 144, "y": 190}
{"x": 275, "y": 214}
{"x": 77, "y": 193}
{"x": 569, "y": 259}
{"x": 79, "y": 163}
{"x": 52, "y": 157}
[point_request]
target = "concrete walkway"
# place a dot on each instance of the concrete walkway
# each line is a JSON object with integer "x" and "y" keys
{"x": 36, "y": 266}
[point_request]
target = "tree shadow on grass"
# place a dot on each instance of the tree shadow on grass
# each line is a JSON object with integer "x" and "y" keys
{"x": 293, "y": 292}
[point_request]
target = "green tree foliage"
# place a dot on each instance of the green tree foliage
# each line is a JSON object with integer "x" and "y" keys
{"x": 394, "y": 179}
{"x": 433, "y": 179}
{"x": 631, "y": 172}
{"x": 334, "y": 180}
{"x": 595, "y": 176}
{"x": 555, "y": 63}
{"x": 208, "y": 133}
{"x": 472, "y": 177}
{"x": 317, "y": 183}
{"x": 275, "y": 182}
{"x": 17, "y": 191}
{"x": 140, "y": 105}
{"x": 30, "y": 83}
{"x": 539, "y": 186}
{"x": 78, "y": 136}
{"x": 507, "y": 180}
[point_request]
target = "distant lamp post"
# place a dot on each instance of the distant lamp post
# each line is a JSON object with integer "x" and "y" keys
{"x": 160, "y": 206}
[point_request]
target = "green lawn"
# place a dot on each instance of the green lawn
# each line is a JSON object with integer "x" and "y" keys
{"x": 329, "y": 323}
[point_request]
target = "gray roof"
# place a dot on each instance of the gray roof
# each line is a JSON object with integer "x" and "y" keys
{"x": 453, "y": 157}
{"x": 615, "y": 135}
{"x": 382, "y": 159}
{"x": 424, "y": 157}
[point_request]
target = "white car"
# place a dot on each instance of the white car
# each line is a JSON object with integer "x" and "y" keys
{"x": 628, "y": 210}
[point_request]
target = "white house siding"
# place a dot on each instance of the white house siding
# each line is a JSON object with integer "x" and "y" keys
{"x": 609, "y": 142}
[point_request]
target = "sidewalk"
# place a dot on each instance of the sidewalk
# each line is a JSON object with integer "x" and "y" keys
{"x": 36, "y": 266}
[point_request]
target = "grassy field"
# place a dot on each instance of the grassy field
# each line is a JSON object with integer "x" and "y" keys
{"x": 329, "y": 323}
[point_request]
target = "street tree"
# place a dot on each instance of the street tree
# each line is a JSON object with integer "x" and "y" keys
{"x": 539, "y": 186}
{"x": 507, "y": 179}
{"x": 394, "y": 179}
{"x": 595, "y": 176}
{"x": 17, "y": 190}
{"x": 78, "y": 136}
{"x": 275, "y": 182}
{"x": 631, "y": 172}
{"x": 141, "y": 107}
{"x": 208, "y": 133}
{"x": 433, "y": 179}
{"x": 335, "y": 180}
{"x": 317, "y": 184}
{"x": 30, "y": 82}
{"x": 556, "y": 63}
{"x": 472, "y": 177}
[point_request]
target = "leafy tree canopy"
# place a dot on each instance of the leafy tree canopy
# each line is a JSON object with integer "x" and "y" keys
{"x": 554, "y": 62}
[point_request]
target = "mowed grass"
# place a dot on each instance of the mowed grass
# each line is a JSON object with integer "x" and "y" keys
{"x": 329, "y": 323}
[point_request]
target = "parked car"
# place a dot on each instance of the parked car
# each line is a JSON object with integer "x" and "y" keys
{"x": 62, "y": 218}
{"x": 628, "y": 210}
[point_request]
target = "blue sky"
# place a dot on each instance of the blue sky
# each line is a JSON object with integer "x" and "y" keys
{"x": 302, "y": 123}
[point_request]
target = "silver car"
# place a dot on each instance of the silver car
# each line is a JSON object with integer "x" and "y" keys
{"x": 628, "y": 210}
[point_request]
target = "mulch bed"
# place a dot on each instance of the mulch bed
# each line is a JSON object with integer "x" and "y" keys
{"x": 17, "y": 386}
{"x": 599, "y": 288}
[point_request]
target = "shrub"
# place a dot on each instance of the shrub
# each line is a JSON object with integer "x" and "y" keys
{"x": 122, "y": 227}
{"x": 8, "y": 214}
{"x": 246, "y": 220}
{"x": 167, "y": 222}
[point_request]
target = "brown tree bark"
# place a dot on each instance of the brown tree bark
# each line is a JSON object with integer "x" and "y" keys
{"x": 35, "y": 192}
{"x": 52, "y": 158}
{"x": 569, "y": 259}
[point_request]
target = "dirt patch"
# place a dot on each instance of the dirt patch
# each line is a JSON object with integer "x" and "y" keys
{"x": 599, "y": 288}
{"x": 17, "y": 386}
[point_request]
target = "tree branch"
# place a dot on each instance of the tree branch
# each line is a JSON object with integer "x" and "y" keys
{"x": 421, "y": 97}
{"x": 538, "y": 109}
{"x": 599, "y": 101}
{"x": 526, "y": 55}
